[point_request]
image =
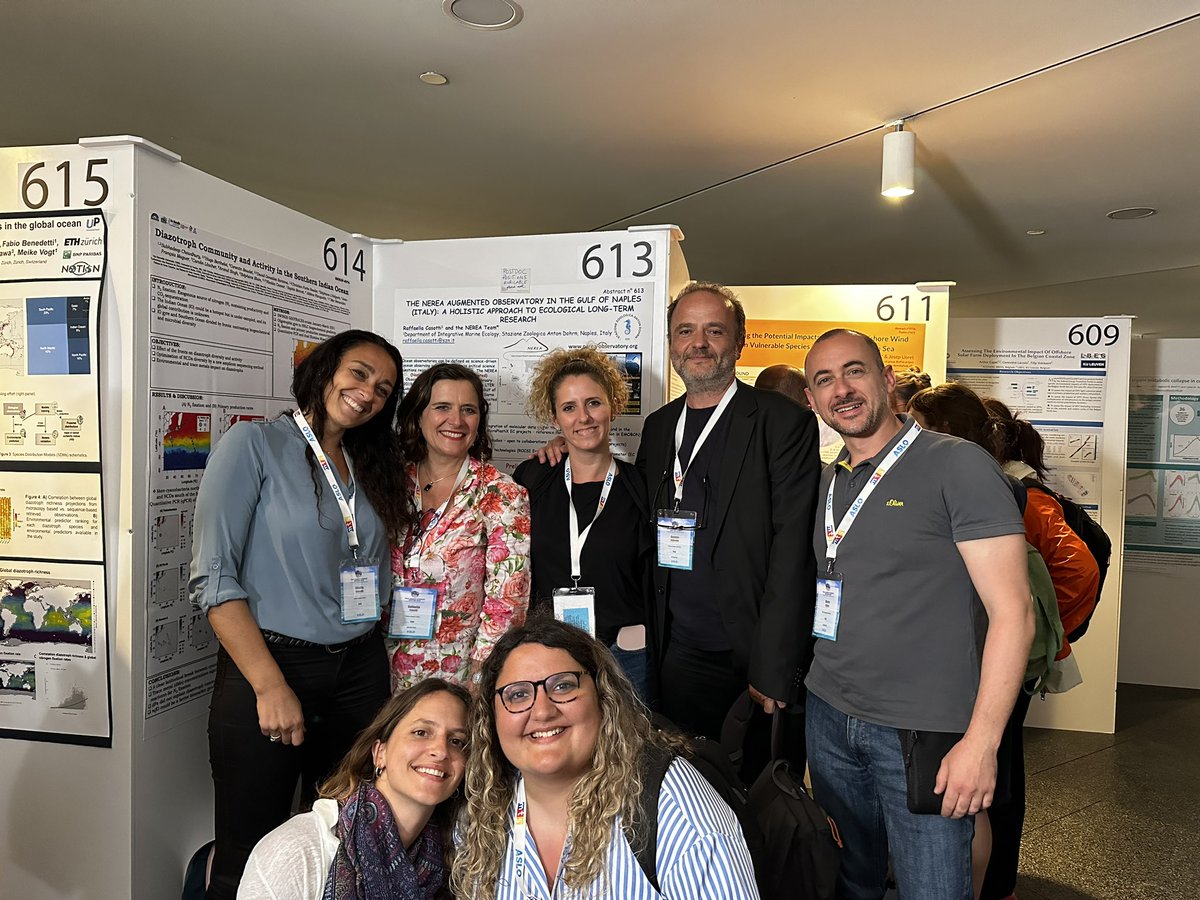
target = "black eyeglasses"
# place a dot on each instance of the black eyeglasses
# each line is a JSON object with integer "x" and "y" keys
{"x": 561, "y": 687}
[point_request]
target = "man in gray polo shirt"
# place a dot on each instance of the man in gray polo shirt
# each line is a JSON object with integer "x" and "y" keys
{"x": 925, "y": 623}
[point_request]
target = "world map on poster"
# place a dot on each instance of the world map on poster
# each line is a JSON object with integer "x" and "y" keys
{"x": 45, "y": 612}
{"x": 18, "y": 677}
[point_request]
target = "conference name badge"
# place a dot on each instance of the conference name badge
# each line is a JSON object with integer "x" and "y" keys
{"x": 414, "y": 610}
{"x": 359, "y": 579}
{"x": 676, "y": 538}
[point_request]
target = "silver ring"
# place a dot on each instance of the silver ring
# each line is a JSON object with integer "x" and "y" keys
{"x": 275, "y": 738}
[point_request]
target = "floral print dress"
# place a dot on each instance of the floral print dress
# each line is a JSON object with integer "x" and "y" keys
{"x": 477, "y": 556}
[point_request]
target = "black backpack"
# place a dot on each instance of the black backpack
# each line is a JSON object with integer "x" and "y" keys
{"x": 794, "y": 845}
{"x": 1088, "y": 531}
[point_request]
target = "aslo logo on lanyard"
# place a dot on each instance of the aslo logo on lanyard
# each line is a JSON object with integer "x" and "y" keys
{"x": 576, "y": 605}
{"x": 357, "y": 576}
{"x": 414, "y": 609}
{"x": 828, "y": 610}
{"x": 677, "y": 527}
{"x": 521, "y": 851}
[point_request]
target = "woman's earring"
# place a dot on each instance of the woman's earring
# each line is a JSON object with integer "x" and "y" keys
{"x": 378, "y": 772}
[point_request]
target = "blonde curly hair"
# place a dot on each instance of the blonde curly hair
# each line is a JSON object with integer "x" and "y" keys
{"x": 611, "y": 787}
{"x": 562, "y": 363}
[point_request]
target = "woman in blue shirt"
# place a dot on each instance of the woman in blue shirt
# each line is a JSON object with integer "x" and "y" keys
{"x": 293, "y": 520}
{"x": 558, "y": 740}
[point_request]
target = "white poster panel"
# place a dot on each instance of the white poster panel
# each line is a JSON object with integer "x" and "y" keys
{"x": 498, "y": 305}
{"x": 1067, "y": 377}
{"x": 52, "y": 615}
{"x": 1162, "y": 516}
{"x": 908, "y": 321}
{"x": 229, "y": 322}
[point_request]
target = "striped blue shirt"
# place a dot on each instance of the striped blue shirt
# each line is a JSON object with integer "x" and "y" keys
{"x": 701, "y": 853}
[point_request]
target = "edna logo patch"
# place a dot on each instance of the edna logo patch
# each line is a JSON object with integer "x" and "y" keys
{"x": 894, "y": 502}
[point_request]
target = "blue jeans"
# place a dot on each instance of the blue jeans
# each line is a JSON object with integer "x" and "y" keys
{"x": 633, "y": 664}
{"x": 857, "y": 771}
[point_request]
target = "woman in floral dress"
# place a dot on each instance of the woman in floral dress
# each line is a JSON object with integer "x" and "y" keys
{"x": 461, "y": 577}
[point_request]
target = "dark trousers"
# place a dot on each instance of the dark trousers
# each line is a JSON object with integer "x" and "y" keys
{"x": 698, "y": 688}
{"x": 254, "y": 780}
{"x": 1007, "y": 816}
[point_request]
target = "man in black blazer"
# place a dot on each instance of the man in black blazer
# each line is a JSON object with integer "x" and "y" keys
{"x": 747, "y": 472}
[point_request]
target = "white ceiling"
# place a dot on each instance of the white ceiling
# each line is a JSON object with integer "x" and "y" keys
{"x": 1029, "y": 115}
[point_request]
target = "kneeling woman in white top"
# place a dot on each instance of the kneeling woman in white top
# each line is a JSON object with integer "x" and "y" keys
{"x": 558, "y": 742}
{"x": 381, "y": 827}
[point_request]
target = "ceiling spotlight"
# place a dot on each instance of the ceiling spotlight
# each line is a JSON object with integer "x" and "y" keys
{"x": 1132, "y": 212}
{"x": 899, "y": 150}
{"x": 486, "y": 15}
{"x": 433, "y": 78}
{"x": 1035, "y": 232}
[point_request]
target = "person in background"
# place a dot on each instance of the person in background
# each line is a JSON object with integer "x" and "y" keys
{"x": 924, "y": 626}
{"x": 908, "y": 383}
{"x": 558, "y": 742}
{"x": 461, "y": 574}
{"x": 293, "y": 521}
{"x": 955, "y": 409}
{"x": 382, "y": 825}
{"x": 786, "y": 380}
{"x": 590, "y": 505}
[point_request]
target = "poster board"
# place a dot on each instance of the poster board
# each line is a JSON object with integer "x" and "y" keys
{"x": 498, "y": 305}
{"x": 1068, "y": 377}
{"x": 54, "y": 666}
{"x": 1162, "y": 516}
{"x": 908, "y": 321}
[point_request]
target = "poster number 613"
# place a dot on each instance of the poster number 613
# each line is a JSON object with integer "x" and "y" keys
{"x": 619, "y": 260}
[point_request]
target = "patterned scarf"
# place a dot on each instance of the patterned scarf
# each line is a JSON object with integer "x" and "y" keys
{"x": 371, "y": 862}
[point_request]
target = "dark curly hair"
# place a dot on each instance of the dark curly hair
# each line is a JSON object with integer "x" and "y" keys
{"x": 373, "y": 447}
{"x": 412, "y": 441}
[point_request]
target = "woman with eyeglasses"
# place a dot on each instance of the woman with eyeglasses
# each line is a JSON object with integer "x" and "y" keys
{"x": 591, "y": 525}
{"x": 382, "y": 825}
{"x": 461, "y": 576}
{"x": 558, "y": 745}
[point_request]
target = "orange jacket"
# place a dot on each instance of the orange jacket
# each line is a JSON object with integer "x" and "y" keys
{"x": 1072, "y": 567}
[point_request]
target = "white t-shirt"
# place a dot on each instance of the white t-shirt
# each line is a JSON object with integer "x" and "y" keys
{"x": 292, "y": 862}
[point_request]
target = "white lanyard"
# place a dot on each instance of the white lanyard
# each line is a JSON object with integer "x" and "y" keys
{"x": 422, "y": 536}
{"x": 579, "y": 538}
{"x": 347, "y": 507}
{"x": 832, "y": 538}
{"x": 680, "y": 471}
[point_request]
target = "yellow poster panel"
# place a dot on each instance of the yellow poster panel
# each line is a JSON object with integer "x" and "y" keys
{"x": 770, "y": 342}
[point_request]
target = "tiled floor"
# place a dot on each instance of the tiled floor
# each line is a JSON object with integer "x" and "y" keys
{"x": 1116, "y": 817}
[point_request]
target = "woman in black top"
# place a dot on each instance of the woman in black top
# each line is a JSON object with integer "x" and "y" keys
{"x": 580, "y": 392}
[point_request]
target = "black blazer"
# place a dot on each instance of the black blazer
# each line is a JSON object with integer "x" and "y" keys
{"x": 763, "y": 514}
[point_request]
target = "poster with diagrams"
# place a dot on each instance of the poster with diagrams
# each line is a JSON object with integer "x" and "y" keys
{"x": 228, "y": 325}
{"x": 54, "y": 677}
{"x": 1057, "y": 374}
{"x": 499, "y": 305}
{"x": 1162, "y": 499}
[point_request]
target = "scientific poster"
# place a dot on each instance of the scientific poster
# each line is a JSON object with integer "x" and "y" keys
{"x": 1057, "y": 374}
{"x": 54, "y": 678}
{"x": 228, "y": 325}
{"x": 1162, "y": 500}
{"x": 512, "y": 300}
{"x": 1069, "y": 378}
{"x": 907, "y": 321}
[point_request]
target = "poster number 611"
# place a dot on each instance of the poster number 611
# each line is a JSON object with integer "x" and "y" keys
{"x": 887, "y": 308}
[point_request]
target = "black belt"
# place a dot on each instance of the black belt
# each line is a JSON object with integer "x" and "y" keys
{"x": 283, "y": 640}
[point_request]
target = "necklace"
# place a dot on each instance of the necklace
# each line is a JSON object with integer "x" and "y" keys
{"x": 429, "y": 485}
